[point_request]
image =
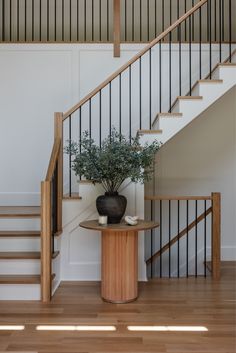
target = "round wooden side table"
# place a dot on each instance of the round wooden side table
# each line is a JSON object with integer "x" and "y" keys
{"x": 119, "y": 259}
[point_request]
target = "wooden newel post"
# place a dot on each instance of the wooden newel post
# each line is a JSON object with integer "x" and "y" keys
{"x": 116, "y": 27}
{"x": 58, "y": 133}
{"x": 216, "y": 238}
{"x": 46, "y": 265}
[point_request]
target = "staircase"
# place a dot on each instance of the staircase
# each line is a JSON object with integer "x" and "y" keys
{"x": 20, "y": 253}
{"x": 156, "y": 107}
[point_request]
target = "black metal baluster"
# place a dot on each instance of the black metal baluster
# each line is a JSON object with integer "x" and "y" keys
{"x": 85, "y": 21}
{"x": 92, "y": 20}
{"x": 180, "y": 60}
{"x": 100, "y": 20}
{"x": 223, "y": 20}
{"x": 170, "y": 71}
{"x": 140, "y": 23}
{"x": 18, "y": 21}
{"x": 178, "y": 238}
{"x": 140, "y": 93}
{"x": 110, "y": 108}
{"x": 215, "y": 22}
{"x": 205, "y": 215}
{"x": 70, "y": 157}
{"x": 193, "y": 22}
{"x": 70, "y": 21}
{"x": 80, "y": 129}
{"x": 196, "y": 239}
{"x": 155, "y": 10}
{"x": 169, "y": 238}
{"x": 163, "y": 16}
{"x": 108, "y": 20}
{"x": 185, "y": 23}
{"x": 187, "y": 210}
{"x": 130, "y": 106}
{"x": 25, "y": 20}
{"x": 210, "y": 46}
{"x": 133, "y": 20}
{"x": 120, "y": 113}
{"x": 90, "y": 118}
{"x": 220, "y": 29}
{"x": 151, "y": 240}
{"x": 150, "y": 89}
{"x": 10, "y": 19}
{"x": 200, "y": 43}
{"x": 55, "y": 21}
{"x": 230, "y": 31}
{"x": 190, "y": 58}
{"x": 126, "y": 20}
{"x": 47, "y": 20}
{"x": 100, "y": 118}
{"x": 62, "y": 20}
{"x": 77, "y": 21}
{"x": 160, "y": 238}
{"x": 148, "y": 20}
{"x": 160, "y": 77}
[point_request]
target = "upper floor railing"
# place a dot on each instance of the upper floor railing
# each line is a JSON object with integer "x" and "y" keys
{"x": 109, "y": 21}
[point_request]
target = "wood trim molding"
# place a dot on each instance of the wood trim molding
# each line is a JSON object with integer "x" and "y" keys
{"x": 216, "y": 242}
{"x": 116, "y": 28}
{"x": 46, "y": 265}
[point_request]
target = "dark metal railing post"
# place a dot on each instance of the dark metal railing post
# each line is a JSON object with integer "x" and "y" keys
{"x": 200, "y": 43}
{"x": 160, "y": 238}
{"x": 230, "y": 30}
{"x": 70, "y": 176}
{"x": 169, "y": 238}
{"x": 196, "y": 240}
{"x": 210, "y": 44}
{"x": 190, "y": 57}
{"x": 220, "y": 28}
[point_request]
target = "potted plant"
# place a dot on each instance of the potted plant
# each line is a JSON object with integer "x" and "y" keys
{"x": 111, "y": 164}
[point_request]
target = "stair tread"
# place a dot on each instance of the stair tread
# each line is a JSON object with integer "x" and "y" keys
{"x": 19, "y": 211}
{"x": 189, "y": 97}
{"x": 21, "y": 279}
{"x": 19, "y": 255}
{"x": 23, "y": 255}
{"x": 19, "y": 233}
{"x": 227, "y": 64}
{"x": 210, "y": 81}
{"x": 73, "y": 196}
{"x": 140, "y": 132}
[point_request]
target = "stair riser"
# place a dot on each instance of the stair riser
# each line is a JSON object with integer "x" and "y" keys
{"x": 20, "y": 292}
{"x": 19, "y": 224}
{"x": 23, "y": 244}
{"x": 202, "y": 89}
{"x": 19, "y": 267}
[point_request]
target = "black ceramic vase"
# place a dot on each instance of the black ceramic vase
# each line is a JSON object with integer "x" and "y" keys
{"x": 111, "y": 205}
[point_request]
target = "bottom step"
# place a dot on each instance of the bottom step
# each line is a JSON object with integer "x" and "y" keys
{"x": 21, "y": 279}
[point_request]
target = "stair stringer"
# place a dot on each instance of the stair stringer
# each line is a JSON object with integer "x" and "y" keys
{"x": 192, "y": 108}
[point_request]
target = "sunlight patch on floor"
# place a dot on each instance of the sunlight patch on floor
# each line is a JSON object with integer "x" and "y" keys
{"x": 168, "y": 328}
{"x": 74, "y": 328}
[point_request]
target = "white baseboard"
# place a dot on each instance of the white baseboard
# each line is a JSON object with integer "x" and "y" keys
{"x": 228, "y": 253}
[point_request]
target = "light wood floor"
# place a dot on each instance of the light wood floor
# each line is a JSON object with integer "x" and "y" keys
{"x": 188, "y": 302}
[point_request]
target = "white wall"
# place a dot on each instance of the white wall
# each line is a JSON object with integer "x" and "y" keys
{"x": 201, "y": 159}
{"x": 35, "y": 82}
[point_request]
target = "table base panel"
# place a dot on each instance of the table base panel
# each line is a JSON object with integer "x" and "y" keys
{"x": 119, "y": 266}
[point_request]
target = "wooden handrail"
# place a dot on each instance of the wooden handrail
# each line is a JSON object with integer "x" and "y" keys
{"x": 179, "y": 235}
{"x": 136, "y": 57}
{"x": 174, "y": 197}
{"x": 53, "y": 159}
